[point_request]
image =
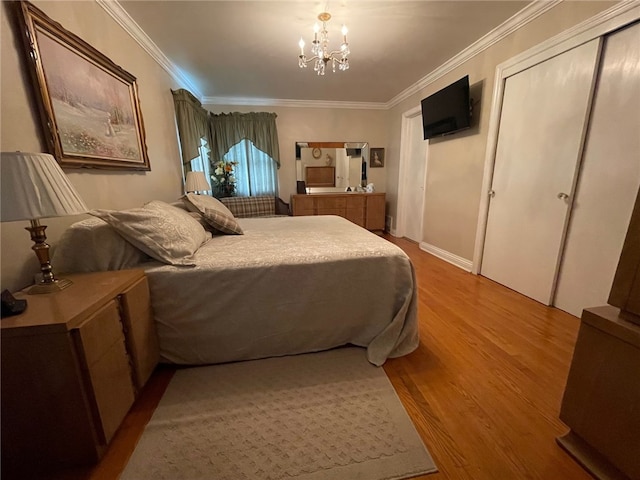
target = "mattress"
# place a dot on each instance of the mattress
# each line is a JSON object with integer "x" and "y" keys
{"x": 289, "y": 285}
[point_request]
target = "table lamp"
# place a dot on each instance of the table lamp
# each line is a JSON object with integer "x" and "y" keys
{"x": 33, "y": 186}
{"x": 196, "y": 182}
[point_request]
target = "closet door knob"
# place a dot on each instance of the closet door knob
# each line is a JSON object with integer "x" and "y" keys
{"x": 563, "y": 196}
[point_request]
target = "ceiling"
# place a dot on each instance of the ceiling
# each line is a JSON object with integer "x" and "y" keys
{"x": 242, "y": 50}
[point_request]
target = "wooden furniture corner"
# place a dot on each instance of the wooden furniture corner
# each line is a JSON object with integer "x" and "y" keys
{"x": 601, "y": 402}
{"x": 72, "y": 365}
{"x": 625, "y": 291}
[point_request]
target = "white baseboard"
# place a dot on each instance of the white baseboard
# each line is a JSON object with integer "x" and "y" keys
{"x": 453, "y": 259}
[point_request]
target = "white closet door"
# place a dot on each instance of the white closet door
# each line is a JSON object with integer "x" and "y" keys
{"x": 414, "y": 181}
{"x": 609, "y": 179}
{"x": 541, "y": 131}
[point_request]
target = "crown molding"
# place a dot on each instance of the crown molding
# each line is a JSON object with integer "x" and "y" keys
{"x": 517, "y": 21}
{"x": 120, "y": 15}
{"x": 279, "y": 102}
{"x": 620, "y": 14}
{"x": 520, "y": 19}
{"x": 524, "y": 16}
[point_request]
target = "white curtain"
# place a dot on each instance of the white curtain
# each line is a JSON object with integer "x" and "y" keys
{"x": 256, "y": 172}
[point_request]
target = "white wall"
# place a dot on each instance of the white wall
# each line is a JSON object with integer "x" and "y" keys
{"x": 20, "y": 128}
{"x": 456, "y": 163}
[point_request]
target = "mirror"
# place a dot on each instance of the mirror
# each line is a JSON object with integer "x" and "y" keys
{"x": 331, "y": 166}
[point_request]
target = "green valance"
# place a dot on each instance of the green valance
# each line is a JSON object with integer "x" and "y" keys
{"x": 258, "y": 127}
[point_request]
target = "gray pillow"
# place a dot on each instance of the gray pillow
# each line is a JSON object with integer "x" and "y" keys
{"x": 162, "y": 231}
{"x": 214, "y": 213}
{"x": 92, "y": 245}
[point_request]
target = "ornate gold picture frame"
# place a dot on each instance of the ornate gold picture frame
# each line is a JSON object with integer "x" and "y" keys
{"x": 89, "y": 105}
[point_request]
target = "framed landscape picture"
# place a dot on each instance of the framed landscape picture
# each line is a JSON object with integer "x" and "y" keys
{"x": 89, "y": 105}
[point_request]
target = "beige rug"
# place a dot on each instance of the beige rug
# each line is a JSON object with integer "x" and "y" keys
{"x": 321, "y": 416}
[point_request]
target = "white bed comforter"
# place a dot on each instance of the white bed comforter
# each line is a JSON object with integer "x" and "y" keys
{"x": 288, "y": 285}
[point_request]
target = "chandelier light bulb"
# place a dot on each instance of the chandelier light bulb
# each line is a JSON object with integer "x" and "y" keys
{"x": 301, "y": 44}
{"x": 345, "y": 30}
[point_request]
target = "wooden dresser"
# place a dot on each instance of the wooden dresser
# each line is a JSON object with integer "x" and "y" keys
{"x": 364, "y": 209}
{"x": 601, "y": 402}
{"x": 72, "y": 365}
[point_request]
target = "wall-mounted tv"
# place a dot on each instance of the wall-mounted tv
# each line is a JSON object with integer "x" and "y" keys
{"x": 447, "y": 111}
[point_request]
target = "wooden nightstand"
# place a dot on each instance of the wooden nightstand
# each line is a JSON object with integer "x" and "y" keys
{"x": 72, "y": 366}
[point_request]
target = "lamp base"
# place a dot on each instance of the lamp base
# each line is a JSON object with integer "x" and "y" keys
{"x": 50, "y": 287}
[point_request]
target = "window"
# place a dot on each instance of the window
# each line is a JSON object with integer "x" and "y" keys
{"x": 256, "y": 172}
{"x": 202, "y": 163}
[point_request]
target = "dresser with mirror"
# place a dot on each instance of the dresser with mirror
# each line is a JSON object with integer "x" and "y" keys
{"x": 331, "y": 166}
{"x": 333, "y": 174}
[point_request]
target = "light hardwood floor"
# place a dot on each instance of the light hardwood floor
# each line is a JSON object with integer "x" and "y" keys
{"x": 483, "y": 389}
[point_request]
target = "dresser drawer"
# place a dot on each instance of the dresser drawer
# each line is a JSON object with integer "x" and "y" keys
{"x": 100, "y": 331}
{"x": 142, "y": 340}
{"x": 303, "y": 203}
{"x": 375, "y": 211}
{"x": 112, "y": 389}
{"x": 356, "y": 208}
{"x": 100, "y": 342}
{"x": 330, "y": 203}
{"x": 356, "y": 216}
{"x": 356, "y": 201}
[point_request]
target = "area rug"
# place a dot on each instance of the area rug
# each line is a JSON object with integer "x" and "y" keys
{"x": 320, "y": 416}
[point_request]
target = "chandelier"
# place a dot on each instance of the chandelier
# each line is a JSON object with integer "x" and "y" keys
{"x": 320, "y": 49}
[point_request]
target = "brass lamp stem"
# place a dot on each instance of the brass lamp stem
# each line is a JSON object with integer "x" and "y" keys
{"x": 48, "y": 283}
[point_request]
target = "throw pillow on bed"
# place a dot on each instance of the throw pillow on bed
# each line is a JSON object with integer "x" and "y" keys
{"x": 162, "y": 231}
{"x": 214, "y": 212}
{"x": 92, "y": 245}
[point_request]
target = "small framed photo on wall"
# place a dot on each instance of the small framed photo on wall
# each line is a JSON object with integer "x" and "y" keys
{"x": 377, "y": 158}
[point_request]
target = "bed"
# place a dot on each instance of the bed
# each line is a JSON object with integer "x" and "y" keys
{"x": 286, "y": 285}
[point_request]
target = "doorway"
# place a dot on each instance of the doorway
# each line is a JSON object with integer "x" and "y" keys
{"x": 412, "y": 177}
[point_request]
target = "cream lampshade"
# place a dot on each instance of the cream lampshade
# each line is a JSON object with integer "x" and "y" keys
{"x": 33, "y": 186}
{"x": 196, "y": 182}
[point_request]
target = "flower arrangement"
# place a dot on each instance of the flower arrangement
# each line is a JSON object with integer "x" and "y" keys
{"x": 223, "y": 181}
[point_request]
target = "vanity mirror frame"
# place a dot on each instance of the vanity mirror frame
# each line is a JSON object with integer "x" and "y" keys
{"x": 363, "y": 146}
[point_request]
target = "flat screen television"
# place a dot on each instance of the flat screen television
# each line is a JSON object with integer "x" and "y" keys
{"x": 447, "y": 111}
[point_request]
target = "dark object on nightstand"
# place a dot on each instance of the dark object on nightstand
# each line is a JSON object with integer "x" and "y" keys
{"x": 11, "y": 305}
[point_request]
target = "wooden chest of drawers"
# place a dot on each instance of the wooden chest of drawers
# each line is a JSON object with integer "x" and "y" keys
{"x": 364, "y": 209}
{"x": 72, "y": 366}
